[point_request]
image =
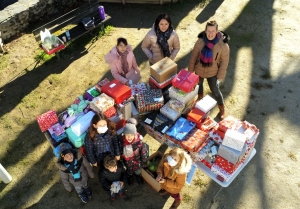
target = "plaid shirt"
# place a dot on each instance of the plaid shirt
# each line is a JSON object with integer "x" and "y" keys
{"x": 98, "y": 149}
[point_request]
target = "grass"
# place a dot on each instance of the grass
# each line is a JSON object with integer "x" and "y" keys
{"x": 187, "y": 198}
{"x": 200, "y": 183}
{"x": 3, "y": 61}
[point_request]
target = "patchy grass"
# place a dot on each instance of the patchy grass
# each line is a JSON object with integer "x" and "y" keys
{"x": 292, "y": 156}
{"x": 3, "y": 61}
{"x": 259, "y": 86}
{"x": 200, "y": 183}
{"x": 187, "y": 198}
{"x": 233, "y": 100}
{"x": 266, "y": 74}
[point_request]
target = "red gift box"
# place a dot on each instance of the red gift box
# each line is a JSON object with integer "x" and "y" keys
{"x": 46, "y": 120}
{"x": 208, "y": 164}
{"x": 120, "y": 124}
{"x": 117, "y": 90}
{"x": 227, "y": 123}
{"x": 185, "y": 81}
{"x": 110, "y": 112}
{"x": 155, "y": 85}
{"x": 226, "y": 165}
{"x": 196, "y": 115}
{"x": 194, "y": 140}
{"x": 207, "y": 124}
{"x": 56, "y": 49}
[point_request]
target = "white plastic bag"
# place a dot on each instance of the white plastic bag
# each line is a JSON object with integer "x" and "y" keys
{"x": 45, "y": 34}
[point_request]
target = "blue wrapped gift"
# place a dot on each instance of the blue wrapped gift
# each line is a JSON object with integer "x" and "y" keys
{"x": 181, "y": 129}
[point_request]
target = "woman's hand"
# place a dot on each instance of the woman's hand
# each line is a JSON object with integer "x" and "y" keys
{"x": 118, "y": 157}
{"x": 95, "y": 164}
{"x": 161, "y": 181}
{"x": 158, "y": 178}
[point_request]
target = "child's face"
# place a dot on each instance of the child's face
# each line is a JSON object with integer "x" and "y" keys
{"x": 176, "y": 158}
{"x": 69, "y": 157}
{"x": 129, "y": 137}
{"x": 112, "y": 169}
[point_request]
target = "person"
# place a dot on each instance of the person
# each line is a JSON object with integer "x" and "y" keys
{"x": 112, "y": 176}
{"x": 172, "y": 172}
{"x": 122, "y": 63}
{"x": 134, "y": 151}
{"x": 209, "y": 59}
{"x": 74, "y": 169}
{"x": 101, "y": 140}
{"x": 161, "y": 41}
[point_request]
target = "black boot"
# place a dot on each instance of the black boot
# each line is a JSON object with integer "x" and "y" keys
{"x": 139, "y": 179}
{"x": 130, "y": 180}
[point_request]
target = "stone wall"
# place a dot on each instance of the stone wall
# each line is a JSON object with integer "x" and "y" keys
{"x": 16, "y": 17}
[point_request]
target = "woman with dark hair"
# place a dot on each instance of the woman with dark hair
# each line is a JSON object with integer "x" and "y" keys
{"x": 101, "y": 140}
{"x": 162, "y": 40}
{"x": 209, "y": 60}
{"x": 122, "y": 63}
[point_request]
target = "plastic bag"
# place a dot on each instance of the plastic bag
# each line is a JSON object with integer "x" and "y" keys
{"x": 45, "y": 34}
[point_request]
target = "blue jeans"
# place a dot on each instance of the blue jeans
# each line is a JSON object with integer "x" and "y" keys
{"x": 213, "y": 84}
{"x": 120, "y": 192}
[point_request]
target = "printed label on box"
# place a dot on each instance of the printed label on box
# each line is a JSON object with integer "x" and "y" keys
{"x": 165, "y": 128}
{"x": 112, "y": 85}
{"x": 149, "y": 121}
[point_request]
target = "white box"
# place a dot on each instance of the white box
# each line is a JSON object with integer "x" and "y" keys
{"x": 234, "y": 139}
{"x": 206, "y": 103}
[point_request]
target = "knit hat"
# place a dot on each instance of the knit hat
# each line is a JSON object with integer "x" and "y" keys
{"x": 132, "y": 121}
{"x": 129, "y": 129}
{"x": 65, "y": 148}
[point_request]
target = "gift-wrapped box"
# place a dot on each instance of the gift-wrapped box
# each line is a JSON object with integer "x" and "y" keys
{"x": 227, "y": 123}
{"x": 234, "y": 139}
{"x": 196, "y": 115}
{"x": 194, "y": 140}
{"x": 213, "y": 134}
{"x": 249, "y": 130}
{"x": 110, "y": 112}
{"x": 185, "y": 81}
{"x": 46, "y": 120}
{"x": 232, "y": 155}
{"x": 176, "y": 105}
{"x": 149, "y": 100}
{"x": 190, "y": 105}
{"x": 163, "y": 69}
{"x": 169, "y": 112}
{"x": 83, "y": 123}
{"x": 56, "y": 129}
{"x": 101, "y": 83}
{"x": 206, "y": 104}
{"x": 138, "y": 88}
{"x": 102, "y": 103}
{"x": 207, "y": 124}
{"x": 181, "y": 129}
{"x": 156, "y": 85}
{"x": 206, "y": 162}
{"x": 183, "y": 97}
{"x": 226, "y": 165}
{"x": 155, "y": 134}
{"x": 202, "y": 151}
{"x": 220, "y": 172}
{"x": 117, "y": 90}
{"x": 171, "y": 143}
{"x": 158, "y": 122}
{"x": 77, "y": 141}
{"x": 91, "y": 93}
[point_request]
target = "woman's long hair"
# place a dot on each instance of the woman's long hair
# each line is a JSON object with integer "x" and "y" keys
{"x": 92, "y": 130}
{"x": 160, "y": 17}
{"x": 177, "y": 152}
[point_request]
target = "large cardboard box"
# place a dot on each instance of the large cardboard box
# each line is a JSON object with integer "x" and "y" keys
{"x": 147, "y": 175}
{"x": 163, "y": 69}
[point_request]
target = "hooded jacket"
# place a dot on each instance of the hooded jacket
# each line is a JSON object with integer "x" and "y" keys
{"x": 114, "y": 60}
{"x": 220, "y": 58}
{"x": 174, "y": 185}
{"x": 67, "y": 178}
{"x": 152, "y": 49}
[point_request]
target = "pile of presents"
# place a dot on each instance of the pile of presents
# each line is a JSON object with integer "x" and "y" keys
{"x": 168, "y": 109}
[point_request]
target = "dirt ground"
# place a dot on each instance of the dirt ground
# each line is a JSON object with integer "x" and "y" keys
{"x": 259, "y": 87}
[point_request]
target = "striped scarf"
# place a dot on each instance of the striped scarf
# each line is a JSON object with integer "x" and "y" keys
{"x": 206, "y": 55}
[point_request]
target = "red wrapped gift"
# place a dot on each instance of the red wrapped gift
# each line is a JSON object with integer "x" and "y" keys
{"x": 99, "y": 85}
{"x": 196, "y": 115}
{"x": 110, "y": 112}
{"x": 120, "y": 124}
{"x": 205, "y": 162}
{"x": 185, "y": 81}
{"x": 46, "y": 120}
{"x": 156, "y": 85}
{"x": 82, "y": 150}
{"x": 208, "y": 124}
{"x": 227, "y": 123}
{"x": 117, "y": 90}
{"x": 194, "y": 140}
{"x": 226, "y": 165}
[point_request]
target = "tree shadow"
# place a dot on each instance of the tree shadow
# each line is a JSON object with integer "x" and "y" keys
{"x": 209, "y": 10}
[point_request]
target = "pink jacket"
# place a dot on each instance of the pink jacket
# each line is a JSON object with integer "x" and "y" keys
{"x": 114, "y": 61}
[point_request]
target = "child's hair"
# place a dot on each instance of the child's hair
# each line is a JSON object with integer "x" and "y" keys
{"x": 109, "y": 161}
{"x": 178, "y": 152}
{"x": 96, "y": 118}
{"x": 121, "y": 40}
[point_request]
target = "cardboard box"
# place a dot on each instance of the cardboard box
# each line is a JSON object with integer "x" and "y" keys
{"x": 163, "y": 69}
{"x": 148, "y": 176}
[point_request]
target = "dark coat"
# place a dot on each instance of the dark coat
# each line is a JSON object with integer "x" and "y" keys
{"x": 106, "y": 177}
{"x": 98, "y": 149}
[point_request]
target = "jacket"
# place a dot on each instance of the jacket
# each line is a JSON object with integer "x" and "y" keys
{"x": 106, "y": 177}
{"x": 220, "y": 58}
{"x": 139, "y": 158}
{"x": 174, "y": 185}
{"x": 85, "y": 170}
{"x": 152, "y": 49}
{"x": 114, "y": 61}
{"x": 98, "y": 149}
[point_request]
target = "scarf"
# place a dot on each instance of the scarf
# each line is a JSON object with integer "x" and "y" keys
{"x": 162, "y": 40}
{"x": 206, "y": 55}
{"x": 128, "y": 149}
{"x": 124, "y": 62}
{"x": 73, "y": 168}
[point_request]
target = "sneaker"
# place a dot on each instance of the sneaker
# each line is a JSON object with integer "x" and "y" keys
{"x": 139, "y": 179}
{"x": 122, "y": 194}
{"x": 88, "y": 192}
{"x": 83, "y": 197}
{"x": 112, "y": 197}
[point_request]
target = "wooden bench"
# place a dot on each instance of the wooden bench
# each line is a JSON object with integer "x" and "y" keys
{"x": 73, "y": 17}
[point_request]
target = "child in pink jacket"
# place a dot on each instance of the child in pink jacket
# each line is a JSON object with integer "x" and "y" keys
{"x": 122, "y": 63}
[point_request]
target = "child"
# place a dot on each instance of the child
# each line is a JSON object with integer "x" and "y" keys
{"x": 75, "y": 169}
{"x": 112, "y": 176}
{"x": 134, "y": 151}
{"x": 172, "y": 172}
{"x": 101, "y": 140}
